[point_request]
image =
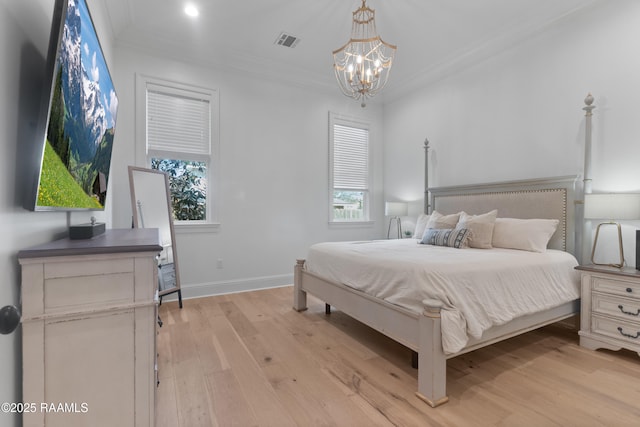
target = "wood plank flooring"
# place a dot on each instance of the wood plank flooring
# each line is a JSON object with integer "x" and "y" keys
{"x": 249, "y": 359}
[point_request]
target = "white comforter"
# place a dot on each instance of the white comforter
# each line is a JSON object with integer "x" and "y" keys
{"x": 479, "y": 288}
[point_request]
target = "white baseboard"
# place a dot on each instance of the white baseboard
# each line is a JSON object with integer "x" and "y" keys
{"x": 199, "y": 290}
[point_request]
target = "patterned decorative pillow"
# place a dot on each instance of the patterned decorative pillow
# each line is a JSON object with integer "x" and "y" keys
{"x": 454, "y": 238}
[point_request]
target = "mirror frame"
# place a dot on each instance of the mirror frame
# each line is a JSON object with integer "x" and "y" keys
{"x": 134, "y": 207}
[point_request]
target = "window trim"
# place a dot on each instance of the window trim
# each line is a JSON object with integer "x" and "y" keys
{"x": 143, "y": 159}
{"x": 344, "y": 120}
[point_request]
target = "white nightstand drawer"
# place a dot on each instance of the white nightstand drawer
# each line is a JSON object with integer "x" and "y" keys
{"x": 625, "y": 309}
{"x": 610, "y": 307}
{"x": 622, "y": 331}
{"x": 616, "y": 287}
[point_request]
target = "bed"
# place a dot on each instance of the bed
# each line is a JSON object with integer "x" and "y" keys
{"x": 416, "y": 320}
{"x": 422, "y": 320}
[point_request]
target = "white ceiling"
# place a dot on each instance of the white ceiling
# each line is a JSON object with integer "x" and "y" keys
{"x": 433, "y": 36}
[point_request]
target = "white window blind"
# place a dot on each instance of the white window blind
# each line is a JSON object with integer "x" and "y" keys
{"x": 177, "y": 122}
{"x": 350, "y": 157}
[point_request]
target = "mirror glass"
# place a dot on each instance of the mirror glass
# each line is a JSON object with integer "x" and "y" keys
{"x": 151, "y": 207}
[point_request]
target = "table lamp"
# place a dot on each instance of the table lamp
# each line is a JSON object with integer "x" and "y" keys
{"x": 395, "y": 210}
{"x": 611, "y": 206}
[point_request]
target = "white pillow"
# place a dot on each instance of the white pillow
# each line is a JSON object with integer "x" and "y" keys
{"x": 524, "y": 234}
{"x": 437, "y": 220}
{"x": 421, "y": 225}
{"x": 481, "y": 227}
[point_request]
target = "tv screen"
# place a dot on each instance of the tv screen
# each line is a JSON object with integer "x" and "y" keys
{"x": 80, "y": 115}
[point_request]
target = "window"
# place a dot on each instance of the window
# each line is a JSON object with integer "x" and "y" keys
{"x": 180, "y": 138}
{"x": 349, "y": 169}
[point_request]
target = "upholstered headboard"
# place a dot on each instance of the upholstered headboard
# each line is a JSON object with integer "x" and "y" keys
{"x": 548, "y": 198}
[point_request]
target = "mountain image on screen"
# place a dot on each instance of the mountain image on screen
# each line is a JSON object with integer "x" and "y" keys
{"x": 81, "y": 120}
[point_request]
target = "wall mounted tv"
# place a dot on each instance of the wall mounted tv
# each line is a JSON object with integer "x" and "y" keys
{"x": 78, "y": 116}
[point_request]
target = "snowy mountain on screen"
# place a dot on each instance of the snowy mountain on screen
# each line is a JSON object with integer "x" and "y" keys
{"x": 85, "y": 117}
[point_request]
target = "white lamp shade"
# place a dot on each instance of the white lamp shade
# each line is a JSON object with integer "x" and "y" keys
{"x": 396, "y": 208}
{"x": 620, "y": 206}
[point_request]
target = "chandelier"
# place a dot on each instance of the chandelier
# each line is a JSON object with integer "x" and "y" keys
{"x": 362, "y": 65}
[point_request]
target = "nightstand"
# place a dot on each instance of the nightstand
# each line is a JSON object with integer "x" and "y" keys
{"x": 610, "y": 308}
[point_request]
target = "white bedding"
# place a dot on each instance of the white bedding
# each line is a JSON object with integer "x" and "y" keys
{"x": 479, "y": 288}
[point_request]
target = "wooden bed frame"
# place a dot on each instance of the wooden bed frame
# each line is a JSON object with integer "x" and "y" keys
{"x": 540, "y": 198}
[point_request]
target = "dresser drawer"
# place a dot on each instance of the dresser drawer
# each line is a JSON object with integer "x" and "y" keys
{"x": 616, "y": 287}
{"x": 628, "y": 332}
{"x": 623, "y": 308}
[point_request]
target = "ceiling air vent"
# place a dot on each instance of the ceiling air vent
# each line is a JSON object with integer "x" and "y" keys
{"x": 287, "y": 40}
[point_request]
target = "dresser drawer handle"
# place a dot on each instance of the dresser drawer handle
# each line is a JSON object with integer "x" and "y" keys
{"x": 635, "y": 337}
{"x": 629, "y": 290}
{"x": 630, "y": 313}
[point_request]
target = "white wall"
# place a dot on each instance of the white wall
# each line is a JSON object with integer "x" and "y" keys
{"x": 24, "y": 38}
{"x": 273, "y": 178}
{"x": 519, "y": 115}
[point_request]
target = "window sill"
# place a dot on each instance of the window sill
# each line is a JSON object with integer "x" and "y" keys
{"x": 354, "y": 224}
{"x": 196, "y": 227}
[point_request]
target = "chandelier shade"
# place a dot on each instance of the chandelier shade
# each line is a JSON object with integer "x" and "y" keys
{"x": 362, "y": 65}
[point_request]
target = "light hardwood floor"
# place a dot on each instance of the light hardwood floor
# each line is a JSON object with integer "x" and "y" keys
{"x": 249, "y": 359}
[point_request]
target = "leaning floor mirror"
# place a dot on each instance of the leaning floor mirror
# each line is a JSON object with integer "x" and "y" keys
{"x": 151, "y": 207}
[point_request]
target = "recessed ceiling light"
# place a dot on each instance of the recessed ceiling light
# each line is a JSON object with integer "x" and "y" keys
{"x": 191, "y": 10}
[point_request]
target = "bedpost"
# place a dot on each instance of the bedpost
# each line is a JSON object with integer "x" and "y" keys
{"x": 432, "y": 362}
{"x": 299, "y": 296}
{"x": 581, "y": 227}
{"x": 427, "y": 201}
{"x": 586, "y": 179}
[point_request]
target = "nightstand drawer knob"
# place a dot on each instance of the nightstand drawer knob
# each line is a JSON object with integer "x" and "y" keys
{"x": 630, "y": 313}
{"x": 635, "y": 337}
{"x": 629, "y": 290}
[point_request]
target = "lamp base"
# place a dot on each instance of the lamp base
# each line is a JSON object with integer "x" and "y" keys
{"x": 398, "y": 227}
{"x": 621, "y": 251}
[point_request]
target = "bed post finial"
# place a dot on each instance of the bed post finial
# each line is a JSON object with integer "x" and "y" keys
{"x": 426, "y": 177}
{"x": 589, "y": 100}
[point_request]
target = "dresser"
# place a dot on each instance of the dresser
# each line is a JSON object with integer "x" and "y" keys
{"x": 610, "y": 308}
{"x": 89, "y": 316}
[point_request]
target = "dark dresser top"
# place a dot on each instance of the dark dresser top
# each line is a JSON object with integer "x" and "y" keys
{"x": 624, "y": 271}
{"x": 111, "y": 241}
